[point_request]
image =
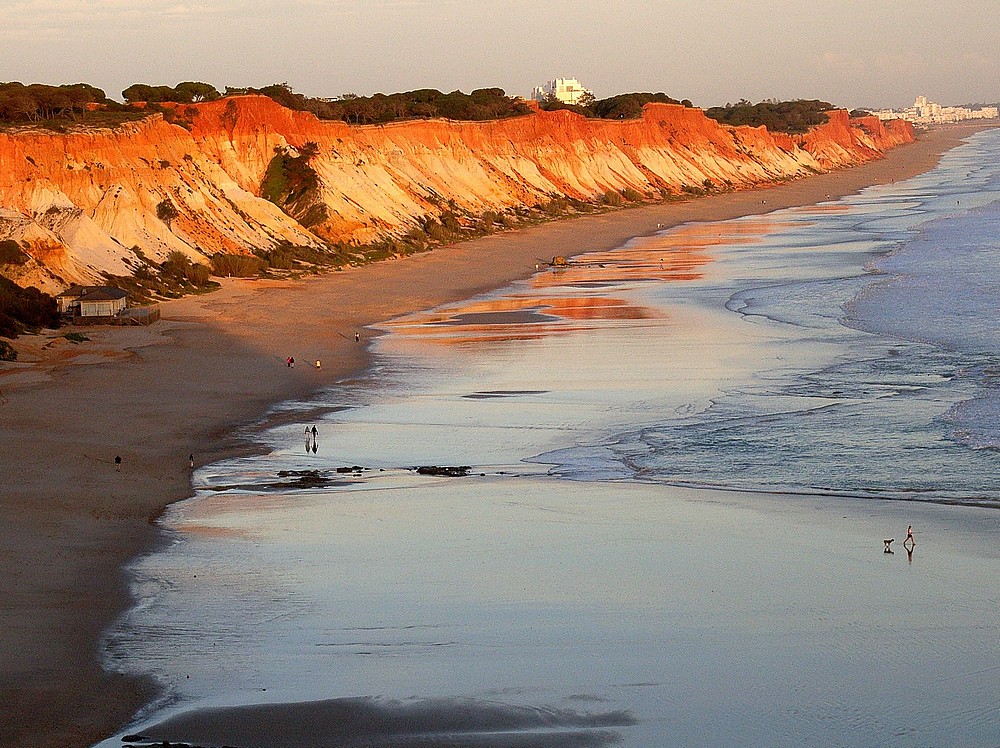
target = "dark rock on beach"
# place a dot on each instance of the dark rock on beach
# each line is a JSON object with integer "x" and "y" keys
{"x": 302, "y": 479}
{"x": 456, "y": 471}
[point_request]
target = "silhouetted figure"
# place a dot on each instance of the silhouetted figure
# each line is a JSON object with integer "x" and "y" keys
{"x": 315, "y": 433}
{"x": 357, "y": 337}
{"x": 888, "y": 545}
{"x": 191, "y": 460}
{"x": 118, "y": 463}
{"x": 909, "y": 542}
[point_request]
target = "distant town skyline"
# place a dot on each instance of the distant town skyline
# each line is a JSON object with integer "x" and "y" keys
{"x": 874, "y": 54}
{"x": 925, "y": 111}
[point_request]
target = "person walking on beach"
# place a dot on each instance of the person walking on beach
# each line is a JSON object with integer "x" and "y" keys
{"x": 288, "y": 362}
{"x": 909, "y": 536}
{"x": 357, "y": 337}
{"x": 118, "y": 463}
{"x": 191, "y": 460}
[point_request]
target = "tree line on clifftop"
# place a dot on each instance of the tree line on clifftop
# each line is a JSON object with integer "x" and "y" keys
{"x": 777, "y": 116}
{"x": 38, "y": 102}
{"x": 795, "y": 116}
{"x": 56, "y": 106}
{"x": 493, "y": 103}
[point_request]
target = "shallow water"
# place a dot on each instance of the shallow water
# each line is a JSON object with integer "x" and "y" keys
{"x": 846, "y": 350}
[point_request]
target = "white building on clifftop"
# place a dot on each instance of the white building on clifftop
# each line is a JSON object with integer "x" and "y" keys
{"x": 566, "y": 90}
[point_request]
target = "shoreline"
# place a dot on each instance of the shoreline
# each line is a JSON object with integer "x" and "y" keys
{"x": 71, "y": 522}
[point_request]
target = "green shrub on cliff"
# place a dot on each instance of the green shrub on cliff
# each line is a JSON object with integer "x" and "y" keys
{"x": 275, "y": 184}
{"x": 11, "y": 253}
{"x": 777, "y": 116}
{"x": 166, "y": 211}
{"x": 179, "y": 267}
{"x": 25, "y": 308}
{"x": 629, "y": 105}
{"x": 289, "y": 178}
{"x": 237, "y": 266}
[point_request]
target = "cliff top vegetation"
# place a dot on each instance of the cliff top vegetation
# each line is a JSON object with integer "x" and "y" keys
{"x": 61, "y": 107}
{"x": 492, "y": 103}
{"x": 796, "y": 116}
{"x": 481, "y": 104}
{"x": 424, "y": 103}
{"x": 188, "y": 92}
{"x": 621, "y": 106}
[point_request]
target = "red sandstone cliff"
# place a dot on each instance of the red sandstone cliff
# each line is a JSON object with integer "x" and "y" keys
{"x": 92, "y": 202}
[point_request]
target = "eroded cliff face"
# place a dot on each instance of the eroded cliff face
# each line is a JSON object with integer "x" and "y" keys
{"x": 97, "y": 202}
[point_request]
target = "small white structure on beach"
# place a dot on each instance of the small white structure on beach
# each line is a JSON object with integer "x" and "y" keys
{"x": 92, "y": 301}
{"x": 567, "y": 90}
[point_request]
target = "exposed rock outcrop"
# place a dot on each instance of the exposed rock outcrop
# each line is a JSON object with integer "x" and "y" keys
{"x": 99, "y": 201}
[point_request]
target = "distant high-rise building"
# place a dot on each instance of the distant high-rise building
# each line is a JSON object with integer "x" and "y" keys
{"x": 566, "y": 90}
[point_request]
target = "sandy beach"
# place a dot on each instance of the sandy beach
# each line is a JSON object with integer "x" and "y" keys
{"x": 193, "y": 383}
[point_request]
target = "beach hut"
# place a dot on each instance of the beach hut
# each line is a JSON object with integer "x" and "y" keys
{"x": 103, "y": 302}
{"x": 92, "y": 301}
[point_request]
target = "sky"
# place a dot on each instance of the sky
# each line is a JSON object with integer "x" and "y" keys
{"x": 851, "y": 53}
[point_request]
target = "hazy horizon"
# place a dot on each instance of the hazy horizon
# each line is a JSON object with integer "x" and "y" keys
{"x": 848, "y": 53}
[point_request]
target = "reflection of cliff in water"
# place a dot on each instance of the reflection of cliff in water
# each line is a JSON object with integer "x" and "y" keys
{"x": 587, "y": 291}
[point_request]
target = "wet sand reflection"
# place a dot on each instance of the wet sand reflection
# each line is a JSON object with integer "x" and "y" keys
{"x": 587, "y": 291}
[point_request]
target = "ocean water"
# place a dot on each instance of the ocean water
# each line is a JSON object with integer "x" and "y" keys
{"x": 683, "y": 457}
{"x": 905, "y": 404}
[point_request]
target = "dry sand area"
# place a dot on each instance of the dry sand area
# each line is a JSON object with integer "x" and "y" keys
{"x": 190, "y": 384}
